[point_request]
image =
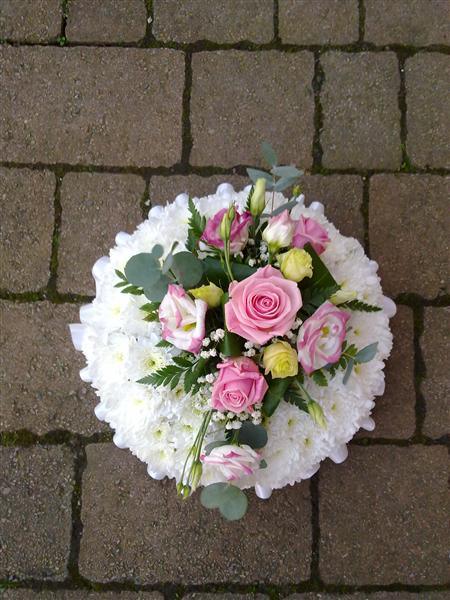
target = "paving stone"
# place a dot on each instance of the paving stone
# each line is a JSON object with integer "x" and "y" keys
{"x": 213, "y": 20}
{"x": 35, "y": 512}
{"x": 372, "y": 596}
{"x": 41, "y": 388}
{"x": 30, "y": 20}
{"x": 23, "y": 594}
{"x": 383, "y": 517}
{"x": 435, "y": 345}
{"x": 342, "y": 198}
{"x": 361, "y": 118}
{"x": 95, "y": 207}
{"x": 224, "y": 596}
{"x": 394, "y": 412}
{"x": 131, "y": 522}
{"x": 409, "y": 225}
{"x": 240, "y": 99}
{"x": 409, "y": 22}
{"x": 165, "y": 189}
{"x": 428, "y": 110}
{"x": 106, "y": 21}
{"x": 103, "y": 106}
{"x": 27, "y": 216}
{"x": 319, "y": 21}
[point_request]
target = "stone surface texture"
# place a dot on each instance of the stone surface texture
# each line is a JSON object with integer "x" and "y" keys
{"x": 428, "y": 110}
{"x": 405, "y": 210}
{"x": 35, "y": 512}
{"x": 106, "y": 21}
{"x": 231, "y": 118}
{"x": 93, "y": 204}
{"x": 409, "y": 22}
{"x": 27, "y": 217}
{"x": 319, "y": 21}
{"x": 41, "y": 390}
{"x": 361, "y": 118}
{"x": 30, "y": 20}
{"x": 214, "y": 20}
{"x": 118, "y": 106}
{"x": 435, "y": 345}
{"x": 128, "y": 518}
{"x": 379, "y": 525}
{"x": 111, "y": 107}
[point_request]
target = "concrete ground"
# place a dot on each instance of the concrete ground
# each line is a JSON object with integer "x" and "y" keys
{"x": 107, "y": 105}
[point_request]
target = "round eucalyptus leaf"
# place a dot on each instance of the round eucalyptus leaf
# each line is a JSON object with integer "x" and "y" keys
{"x": 254, "y": 436}
{"x": 187, "y": 268}
{"x": 211, "y": 495}
{"x": 142, "y": 269}
{"x": 157, "y": 251}
{"x": 233, "y": 505}
{"x": 157, "y": 289}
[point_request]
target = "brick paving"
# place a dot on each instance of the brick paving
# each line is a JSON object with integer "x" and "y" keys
{"x": 109, "y": 107}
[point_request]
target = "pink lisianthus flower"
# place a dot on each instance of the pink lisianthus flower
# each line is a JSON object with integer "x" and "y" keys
{"x": 320, "y": 337}
{"x": 262, "y": 306}
{"x": 309, "y": 231}
{"x": 233, "y": 461}
{"x": 238, "y": 234}
{"x": 239, "y": 385}
{"x": 183, "y": 319}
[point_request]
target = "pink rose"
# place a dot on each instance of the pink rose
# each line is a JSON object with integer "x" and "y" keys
{"x": 239, "y": 386}
{"x": 238, "y": 235}
{"x": 308, "y": 231}
{"x": 320, "y": 337}
{"x": 233, "y": 461}
{"x": 262, "y": 306}
{"x": 183, "y": 319}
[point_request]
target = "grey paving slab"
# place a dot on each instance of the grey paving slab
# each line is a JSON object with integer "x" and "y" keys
{"x": 30, "y": 20}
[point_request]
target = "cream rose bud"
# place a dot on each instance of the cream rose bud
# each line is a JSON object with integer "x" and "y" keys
{"x": 295, "y": 264}
{"x": 279, "y": 231}
{"x": 258, "y": 199}
{"x": 211, "y": 294}
{"x": 182, "y": 319}
{"x": 280, "y": 360}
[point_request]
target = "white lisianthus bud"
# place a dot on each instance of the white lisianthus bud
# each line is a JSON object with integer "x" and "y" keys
{"x": 258, "y": 199}
{"x": 279, "y": 231}
{"x": 316, "y": 413}
{"x": 225, "y": 225}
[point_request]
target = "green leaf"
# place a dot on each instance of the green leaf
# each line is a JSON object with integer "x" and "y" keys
{"x": 359, "y": 305}
{"x": 121, "y": 284}
{"x": 282, "y": 208}
{"x": 315, "y": 297}
{"x": 284, "y": 183}
{"x": 231, "y": 345}
{"x": 322, "y": 277}
{"x": 367, "y": 353}
{"x": 163, "y": 344}
{"x": 286, "y": 171}
{"x": 142, "y": 270}
{"x": 214, "y": 271}
{"x": 254, "y": 436}
{"x": 249, "y": 198}
{"x": 293, "y": 396}
{"x": 210, "y": 447}
{"x": 157, "y": 251}
{"x": 275, "y": 393}
{"x": 263, "y": 464}
{"x": 120, "y": 274}
{"x": 320, "y": 378}
{"x": 187, "y": 268}
{"x": 348, "y": 371}
{"x": 191, "y": 376}
{"x": 158, "y": 289}
{"x": 230, "y": 500}
{"x": 132, "y": 289}
{"x": 181, "y": 361}
{"x": 269, "y": 154}
{"x": 256, "y": 174}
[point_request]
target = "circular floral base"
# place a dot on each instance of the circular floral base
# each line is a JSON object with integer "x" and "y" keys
{"x": 159, "y": 425}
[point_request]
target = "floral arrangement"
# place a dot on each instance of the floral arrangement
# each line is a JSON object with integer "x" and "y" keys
{"x": 236, "y": 340}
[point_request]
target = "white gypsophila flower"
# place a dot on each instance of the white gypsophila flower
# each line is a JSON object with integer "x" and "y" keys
{"x": 159, "y": 425}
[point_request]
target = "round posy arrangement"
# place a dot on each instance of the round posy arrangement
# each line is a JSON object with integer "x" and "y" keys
{"x": 236, "y": 340}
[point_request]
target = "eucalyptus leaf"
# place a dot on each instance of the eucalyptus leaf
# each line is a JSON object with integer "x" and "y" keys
{"x": 187, "y": 268}
{"x": 286, "y": 171}
{"x": 234, "y": 504}
{"x": 275, "y": 393}
{"x": 211, "y": 495}
{"x": 269, "y": 154}
{"x": 348, "y": 371}
{"x": 367, "y": 353}
{"x": 157, "y": 289}
{"x": 283, "y": 207}
{"x": 142, "y": 270}
{"x": 256, "y": 174}
{"x": 254, "y": 436}
{"x": 263, "y": 464}
{"x": 284, "y": 183}
{"x": 157, "y": 251}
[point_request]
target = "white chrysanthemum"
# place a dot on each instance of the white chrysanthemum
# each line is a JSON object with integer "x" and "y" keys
{"x": 159, "y": 425}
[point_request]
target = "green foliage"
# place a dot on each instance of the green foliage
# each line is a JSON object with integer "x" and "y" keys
{"x": 210, "y": 447}
{"x": 321, "y": 278}
{"x": 197, "y": 224}
{"x": 229, "y": 499}
{"x": 249, "y": 198}
{"x": 254, "y": 436}
{"x": 171, "y": 375}
{"x": 320, "y": 378}
{"x": 288, "y": 174}
{"x": 293, "y": 396}
{"x": 231, "y": 345}
{"x": 275, "y": 393}
{"x": 143, "y": 271}
{"x": 187, "y": 268}
{"x": 314, "y": 297}
{"x": 350, "y": 357}
{"x": 269, "y": 154}
{"x": 214, "y": 271}
{"x": 360, "y": 306}
{"x": 151, "y": 308}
